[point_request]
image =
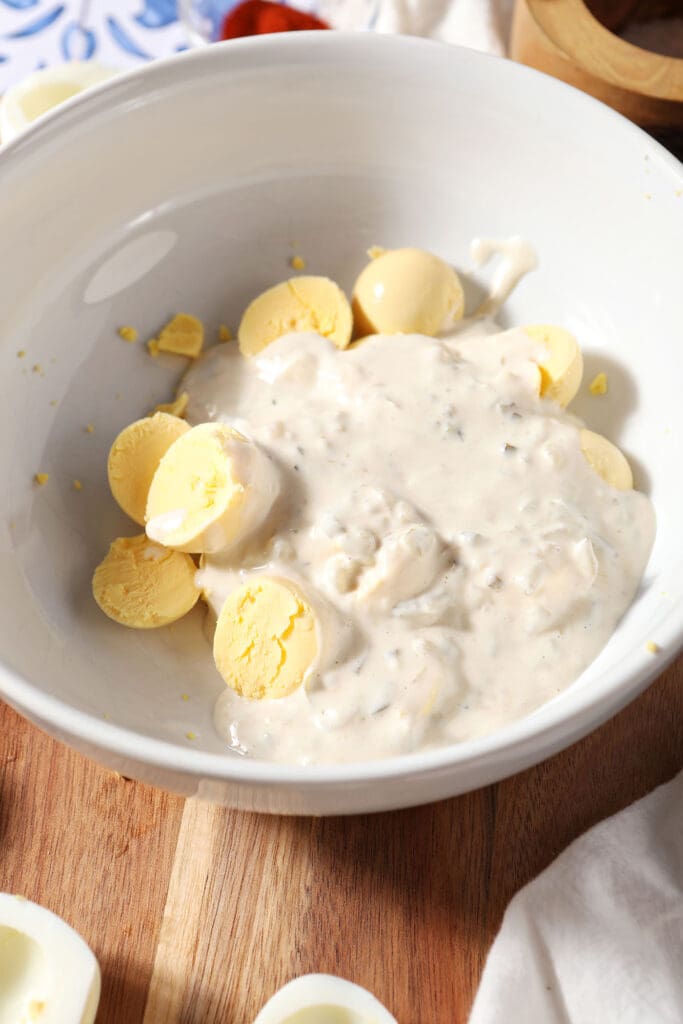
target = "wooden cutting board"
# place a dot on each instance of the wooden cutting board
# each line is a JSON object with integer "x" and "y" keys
{"x": 198, "y": 914}
{"x": 574, "y": 40}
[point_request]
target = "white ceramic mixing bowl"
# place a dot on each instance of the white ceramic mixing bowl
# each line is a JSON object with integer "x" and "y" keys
{"x": 187, "y": 186}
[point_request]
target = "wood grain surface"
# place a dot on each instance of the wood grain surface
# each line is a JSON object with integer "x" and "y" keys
{"x": 564, "y": 39}
{"x": 198, "y": 914}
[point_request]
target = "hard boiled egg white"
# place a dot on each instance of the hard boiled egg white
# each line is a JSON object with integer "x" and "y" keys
{"x": 47, "y": 972}
{"x": 323, "y": 999}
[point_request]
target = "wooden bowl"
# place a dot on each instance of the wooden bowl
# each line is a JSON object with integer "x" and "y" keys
{"x": 565, "y": 39}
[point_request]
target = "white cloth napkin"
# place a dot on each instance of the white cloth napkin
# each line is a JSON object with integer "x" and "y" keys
{"x": 479, "y": 24}
{"x": 597, "y": 938}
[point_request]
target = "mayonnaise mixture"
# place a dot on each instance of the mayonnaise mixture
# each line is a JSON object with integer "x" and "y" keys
{"x": 464, "y": 561}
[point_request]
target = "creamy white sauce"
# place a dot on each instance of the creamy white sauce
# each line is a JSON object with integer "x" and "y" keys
{"x": 518, "y": 257}
{"x": 465, "y": 562}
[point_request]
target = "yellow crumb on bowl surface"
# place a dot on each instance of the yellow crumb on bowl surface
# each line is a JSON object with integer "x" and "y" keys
{"x": 182, "y": 336}
{"x": 191, "y": 735}
{"x": 21, "y": 353}
{"x": 375, "y": 251}
{"x": 224, "y": 333}
{"x": 135, "y": 456}
{"x": 77, "y": 485}
{"x": 128, "y": 333}
{"x": 297, "y": 263}
{"x": 37, "y": 368}
{"x": 652, "y": 647}
{"x": 89, "y": 428}
{"x": 41, "y": 478}
{"x": 598, "y": 386}
{"x": 300, "y": 304}
{"x": 266, "y": 640}
{"x": 177, "y": 407}
{"x": 143, "y": 585}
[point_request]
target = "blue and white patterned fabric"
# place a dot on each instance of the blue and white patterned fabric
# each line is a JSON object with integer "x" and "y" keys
{"x": 120, "y": 33}
{"x": 126, "y": 33}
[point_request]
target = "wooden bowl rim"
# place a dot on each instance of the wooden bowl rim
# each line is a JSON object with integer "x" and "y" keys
{"x": 581, "y": 37}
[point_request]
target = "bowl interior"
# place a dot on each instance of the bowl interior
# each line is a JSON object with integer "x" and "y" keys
{"x": 189, "y": 187}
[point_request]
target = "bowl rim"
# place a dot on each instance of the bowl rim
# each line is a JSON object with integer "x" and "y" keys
{"x": 554, "y": 723}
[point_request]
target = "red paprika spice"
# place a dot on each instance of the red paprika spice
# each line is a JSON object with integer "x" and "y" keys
{"x": 259, "y": 17}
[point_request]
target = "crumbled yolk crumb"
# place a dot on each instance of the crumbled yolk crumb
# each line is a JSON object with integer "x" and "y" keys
{"x": 53, "y": 401}
{"x": 191, "y": 735}
{"x": 184, "y": 696}
{"x": 89, "y": 429}
{"x": 77, "y": 485}
{"x": 182, "y": 336}
{"x": 36, "y": 1008}
{"x": 376, "y": 250}
{"x": 598, "y": 386}
{"x": 297, "y": 263}
{"x": 224, "y": 333}
{"x": 426, "y": 709}
{"x": 21, "y": 353}
{"x": 37, "y": 368}
{"x": 175, "y": 408}
{"x": 128, "y": 333}
{"x": 652, "y": 647}
{"x": 41, "y": 478}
